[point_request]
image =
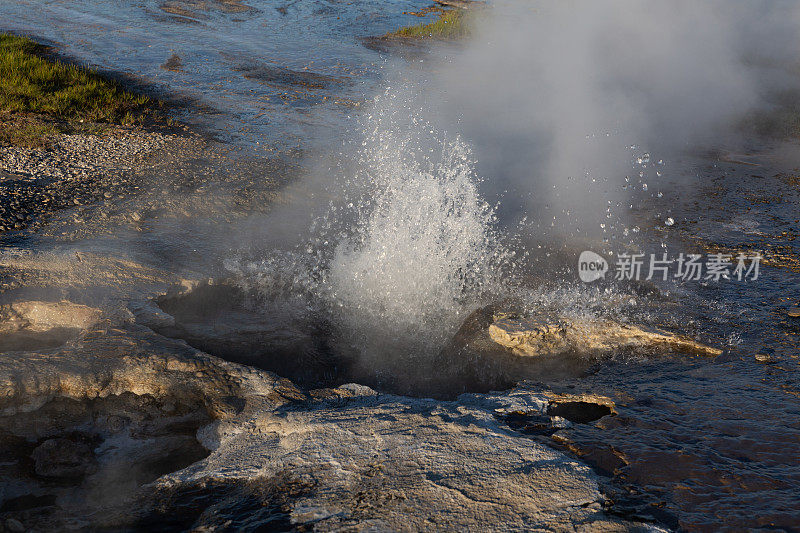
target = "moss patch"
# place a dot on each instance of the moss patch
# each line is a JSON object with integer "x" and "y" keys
{"x": 40, "y": 97}
{"x": 451, "y": 24}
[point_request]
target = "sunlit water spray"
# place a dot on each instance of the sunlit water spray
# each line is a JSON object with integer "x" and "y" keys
{"x": 424, "y": 249}
{"x": 406, "y": 250}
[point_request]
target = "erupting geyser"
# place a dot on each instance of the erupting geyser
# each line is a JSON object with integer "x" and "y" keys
{"x": 406, "y": 250}
{"x": 423, "y": 248}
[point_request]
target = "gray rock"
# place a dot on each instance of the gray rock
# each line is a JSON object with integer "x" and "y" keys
{"x": 63, "y": 458}
{"x": 399, "y": 464}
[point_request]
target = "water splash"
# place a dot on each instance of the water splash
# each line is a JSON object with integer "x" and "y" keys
{"x": 424, "y": 249}
{"x": 406, "y": 250}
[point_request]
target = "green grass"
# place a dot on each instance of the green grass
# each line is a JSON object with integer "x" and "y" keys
{"x": 40, "y": 96}
{"x": 452, "y": 24}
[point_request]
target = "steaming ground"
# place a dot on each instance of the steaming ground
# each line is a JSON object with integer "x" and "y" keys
{"x": 585, "y": 120}
{"x": 404, "y": 251}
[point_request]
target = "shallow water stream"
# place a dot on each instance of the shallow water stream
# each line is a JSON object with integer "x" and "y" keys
{"x": 277, "y": 73}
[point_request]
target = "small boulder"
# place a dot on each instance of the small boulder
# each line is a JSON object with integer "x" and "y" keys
{"x": 533, "y": 337}
{"x": 64, "y": 458}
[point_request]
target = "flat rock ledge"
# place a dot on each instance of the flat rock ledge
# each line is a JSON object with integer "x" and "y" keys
{"x": 39, "y": 316}
{"x": 365, "y": 461}
{"x": 532, "y": 337}
{"x": 331, "y": 459}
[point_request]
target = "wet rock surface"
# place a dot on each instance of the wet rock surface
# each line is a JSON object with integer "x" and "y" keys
{"x": 495, "y": 348}
{"x": 218, "y": 318}
{"x": 123, "y": 406}
{"x": 393, "y": 463}
{"x": 490, "y": 351}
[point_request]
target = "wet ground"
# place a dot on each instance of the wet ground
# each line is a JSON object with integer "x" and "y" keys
{"x": 696, "y": 443}
{"x": 702, "y": 444}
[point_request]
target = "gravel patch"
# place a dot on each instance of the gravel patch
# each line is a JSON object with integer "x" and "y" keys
{"x": 80, "y": 169}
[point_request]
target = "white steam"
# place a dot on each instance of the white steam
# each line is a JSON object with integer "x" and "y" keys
{"x": 553, "y": 95}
